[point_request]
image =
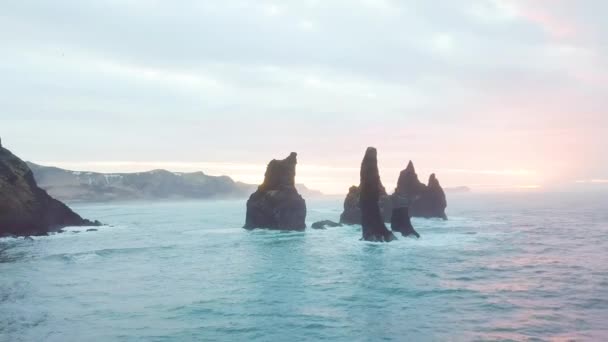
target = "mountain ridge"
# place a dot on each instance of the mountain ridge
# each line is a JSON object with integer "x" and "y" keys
{"x": 158, "y": 184}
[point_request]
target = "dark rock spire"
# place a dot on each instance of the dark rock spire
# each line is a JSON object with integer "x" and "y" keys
{"x": 370, "y": 188}
{"x": 277, "y": 204}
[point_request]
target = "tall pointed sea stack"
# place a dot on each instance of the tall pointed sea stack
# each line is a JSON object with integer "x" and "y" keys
{"x": 277, "y": 204}
{"x": 25, "y": 209}
{"x": 408, "y": 182}
{"x": 371, "y": 219}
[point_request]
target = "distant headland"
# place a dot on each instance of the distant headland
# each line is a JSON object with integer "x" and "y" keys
{"x": 86, "y": 186}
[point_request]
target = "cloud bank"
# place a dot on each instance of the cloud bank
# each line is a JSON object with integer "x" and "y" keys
{"x": 476, "y": 86}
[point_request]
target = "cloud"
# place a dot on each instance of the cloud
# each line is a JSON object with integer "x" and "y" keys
{"x": 478, "y": 90}
{"x": 592, "y": 181}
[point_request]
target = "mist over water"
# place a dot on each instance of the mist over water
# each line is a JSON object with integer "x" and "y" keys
{"x": 507, "y": 266}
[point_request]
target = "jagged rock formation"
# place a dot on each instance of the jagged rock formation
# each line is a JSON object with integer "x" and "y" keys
{"x": 352, "y": 212}
{"x": 26, "y": 209}
{"x": 371, "y": 187}
{"x": 277, "y": 204}
{"x": 325, "y": 223}
{"x": 400, "y": 218}
{"x": 424, "y": 201}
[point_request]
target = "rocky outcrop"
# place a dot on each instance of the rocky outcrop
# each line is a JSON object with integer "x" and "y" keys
{"x": 432, "y": 202}
{"x": 400, "y": 218}
{"x": 277, "y": 204}
{"x": 325, "y": 223}
{"x": 424, "y": 201}
{"x": 26, "y": 209}
{"x": 352, "y": 212}
{"x": 372, "y": 222}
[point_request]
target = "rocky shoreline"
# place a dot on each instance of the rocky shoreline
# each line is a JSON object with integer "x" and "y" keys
{"x": 25, "y": 208}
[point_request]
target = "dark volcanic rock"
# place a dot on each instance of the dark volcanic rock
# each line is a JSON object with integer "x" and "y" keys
{"x": 432, "y": 202}
{"x": 325, "y": 223}
{"x": 408, "y": 182}
{"x": 371, "y": 218}
{"x": 400, "y": 218}
{"x": 425, "y": 200}
{"x": 277, "y": 204}
{"x": 352, "y": 212}
{"x": 25, "y": 209}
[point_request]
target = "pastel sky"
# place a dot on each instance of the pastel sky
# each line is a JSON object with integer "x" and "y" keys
{"x": 492, "y": 94}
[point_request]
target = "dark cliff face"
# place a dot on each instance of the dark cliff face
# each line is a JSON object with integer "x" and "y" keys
{"x": 432, "y": 201}
{"x": 408, "y": 181}
{"x": 426, "y": 201}
{"x": 25, "y": 209}
{"x": 277, "y": 204}
{"x": 352, "y": 212}
{"x": 370, "y": 188}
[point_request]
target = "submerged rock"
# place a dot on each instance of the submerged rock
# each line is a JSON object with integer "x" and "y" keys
{"x": 325, "y": 223}
{"x": 26, "y": 209}
{"x": 372, "y": 222}
{"x": 277, "y": 204}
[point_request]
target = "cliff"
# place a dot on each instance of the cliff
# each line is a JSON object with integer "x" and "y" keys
{"x": 26, "y": 209}
{"x": 277, "y": 204}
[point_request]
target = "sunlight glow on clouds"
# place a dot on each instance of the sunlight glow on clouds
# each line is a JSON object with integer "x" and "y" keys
{"x": 486, "y": 93}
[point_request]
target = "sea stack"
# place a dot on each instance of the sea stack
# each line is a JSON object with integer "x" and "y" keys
{"x": 277, "y": 204}
{"x": 26, "y": 209}
{"x": 400, "y": 218}
{"x": 370, "y": 188}
{"x": 432, "y": 202}
{"x": 352, "y": 211}
{"x": 426, "y": 201}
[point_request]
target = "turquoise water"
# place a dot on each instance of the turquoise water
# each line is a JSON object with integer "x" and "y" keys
{"x": 504, "y": 267}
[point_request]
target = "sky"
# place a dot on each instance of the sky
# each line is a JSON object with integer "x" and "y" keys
{"x": 497, "y": 95}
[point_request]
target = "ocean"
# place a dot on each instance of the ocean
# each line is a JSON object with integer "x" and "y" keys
{"x": 508, "y": 267}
